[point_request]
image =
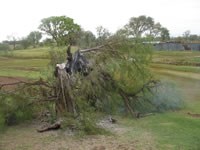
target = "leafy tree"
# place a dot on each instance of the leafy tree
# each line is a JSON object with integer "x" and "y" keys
{"x": 102, "y": 35}
{"x": 145, "y": 26}
{"x": 34, "y": 38}
{"x": 165, "y": 34}
{"x": 155, "y": 30}
{"x": 62, "y": 29}
{"x": 194, "y": 37}
{"x": 12, "y": 40}
{"x": 25, "y": 43}
{"x": 137, "y": 26}
{"x": 48, "y": 42}
{"x": 186, "y": 35}
{"x": 86, "y": 39}
{"x": 4, "y": 46}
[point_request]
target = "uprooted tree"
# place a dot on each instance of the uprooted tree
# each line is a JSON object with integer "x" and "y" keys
{"x": 114, "y": 73}
{"x": 97, "y": 74}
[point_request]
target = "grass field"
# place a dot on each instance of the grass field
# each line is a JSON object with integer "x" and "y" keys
{"x": 164, "y": 131}
{"x": 187, "y": 58}
{"x": 26, "y": 63}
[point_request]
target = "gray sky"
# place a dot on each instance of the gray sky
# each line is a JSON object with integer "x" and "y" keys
{"x": 20, "y": 17}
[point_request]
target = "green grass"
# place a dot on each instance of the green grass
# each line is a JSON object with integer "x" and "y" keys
{"x": 41, "y": 52}
{"x": 25, "y": 63}
{"x": 32, "y": 53}
{"x": 193, "y": 69}
{"x": 7, "y": 62}
{"x": 190, "y": 58}
{"x": 164, "y": 131}
{"x": 19, "y": 73}
{"x": 171, "y": 130}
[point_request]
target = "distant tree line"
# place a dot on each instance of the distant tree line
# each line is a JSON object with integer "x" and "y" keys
{"x": 187, "y": 37}
{"x": 61, "y": 31}
{"x": 33, "y": 39}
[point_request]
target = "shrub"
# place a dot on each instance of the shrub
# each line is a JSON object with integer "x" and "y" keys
{"x": 14, "y": 109}
{"x": 4, "y": 46}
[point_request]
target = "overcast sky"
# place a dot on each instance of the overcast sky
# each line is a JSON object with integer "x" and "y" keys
{"x": 20, "y": 17}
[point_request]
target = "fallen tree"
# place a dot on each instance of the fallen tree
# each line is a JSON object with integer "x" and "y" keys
{"x": 82, "y": 65}
{"x": 91, "y": 78}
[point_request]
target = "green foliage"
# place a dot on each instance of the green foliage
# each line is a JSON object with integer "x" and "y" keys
{"x": 14, "y": 109}
{"x": 49, "y": 42}
{"x": 34, "y": 37}
{"x": 25, "y": 43}
{"x": 86, "y": 39}
{"x": 57, "y": 56}
{"x": 145, "y": 26}
{"x": 62, "y": 29}
{"x": 102, "y": 35}
{"x": 165, "y": 34}
{"x": 123, "y": 69}
{"x": 4, "y": 47}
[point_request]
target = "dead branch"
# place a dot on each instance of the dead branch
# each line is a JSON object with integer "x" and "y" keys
{"x": 25, "y": 84}
{"x": 54, "y": 126}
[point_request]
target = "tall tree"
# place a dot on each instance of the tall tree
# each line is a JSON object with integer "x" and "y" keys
{"x": 24, "y": 42}
{"x": 86, "y": 39}
{"x": 12, "y": 40}
{"x": 186, "y": 35}
{"x": 137, "y": 26}
{"x": 102, "y": 34}
{"x": 165, "y": 34}
{"x": 61, "y": 28}
{"x": 145, "y": 26}
{"x": 34, "y": 37}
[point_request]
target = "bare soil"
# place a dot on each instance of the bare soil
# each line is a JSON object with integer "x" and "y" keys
{"x": 7, "y": 80}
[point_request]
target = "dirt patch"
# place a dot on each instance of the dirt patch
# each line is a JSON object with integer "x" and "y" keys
{"x": 26, "y": 137}
{"x": 194, "y": 115}
{"x": 27, "y": 69}
{"x": 8, "y": 80}
{"x": 114, "y": 127}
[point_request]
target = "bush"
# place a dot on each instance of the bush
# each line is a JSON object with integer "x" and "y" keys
{"x": 4, "y": 46}
{"x": 15, "y": 109}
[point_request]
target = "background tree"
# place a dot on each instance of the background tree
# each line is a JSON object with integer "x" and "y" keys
{"x": 137, "y": 26}
{"x": 194, "y": 37}
{"x": 4, "y": 46}
{"x": 24, "y": 42}
{"x": 165, "y": 34}
{"x": 144, "y": 26}
{"x": 48, "y": 42}
{"x": 62, "y": 29}
{"x": 12, "y": 40}
{"x": 86, "y": 39}
{"x": 34, "y": 37}
{"x": 186, "y": 35}
{"x": 102, "y": 35}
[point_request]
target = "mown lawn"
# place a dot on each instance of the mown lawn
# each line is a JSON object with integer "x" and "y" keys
{"x": 29, "y": 62}
{"x": 194, "y": 69}
{"x": 177, "y": 57}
